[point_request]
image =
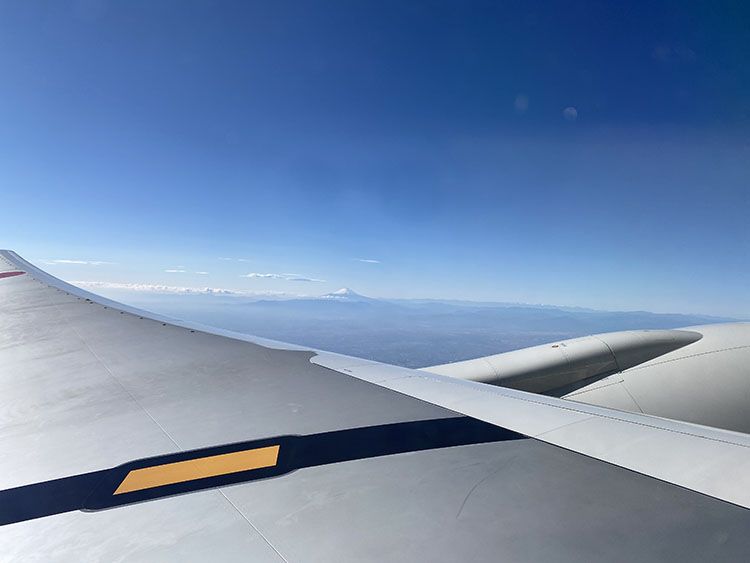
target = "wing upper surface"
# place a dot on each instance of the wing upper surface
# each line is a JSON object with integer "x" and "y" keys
{"x": 92, "y": 387}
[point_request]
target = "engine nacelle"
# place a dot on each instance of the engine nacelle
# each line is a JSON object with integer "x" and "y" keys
{"x": 706, "y": 383}
{"x": 561, "y": 367}
{"x": 697, "y": 374}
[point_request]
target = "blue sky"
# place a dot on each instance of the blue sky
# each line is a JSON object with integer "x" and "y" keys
{"x": 567, "y": 153}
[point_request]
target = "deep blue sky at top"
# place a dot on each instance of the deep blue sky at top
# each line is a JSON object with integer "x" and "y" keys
{"x": 432, "y": 137}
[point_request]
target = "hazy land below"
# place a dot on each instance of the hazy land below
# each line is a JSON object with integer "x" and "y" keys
{"x": 411, "y": 333}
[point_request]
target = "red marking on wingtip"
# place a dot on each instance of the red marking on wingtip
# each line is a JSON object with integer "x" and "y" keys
{"x": 10, "y": 274}
{"x": 555, "y": 345}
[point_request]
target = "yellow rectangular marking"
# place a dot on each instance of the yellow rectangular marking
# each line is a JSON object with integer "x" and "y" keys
{"x": 212, "y": 466}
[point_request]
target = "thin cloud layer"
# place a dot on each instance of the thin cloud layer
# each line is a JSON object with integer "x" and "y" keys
{"x": 287, "y": 277}
{"x": 267, "y": 276}
{"x": 367, "y": 260}
{"x": 159, "y": 288}
{"x": 84, "y": 262}
{"x": 302, "y": 279}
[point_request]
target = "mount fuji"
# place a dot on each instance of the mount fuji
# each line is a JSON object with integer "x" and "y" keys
{"x": 346, "y": 294}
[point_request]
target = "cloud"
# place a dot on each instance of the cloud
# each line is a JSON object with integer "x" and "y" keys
{"x": 86, "y": 262}
{"x": 287, "y": 277}
{"x": 367, "y": 260}
{"x": 159, "y": 288}
{"x": 303, "y": 279}
{"x": 268, "y": 276}
{"x": 175, "y": 271}
{"x": 201, "y": 273}
{"x": 233, "y": 259}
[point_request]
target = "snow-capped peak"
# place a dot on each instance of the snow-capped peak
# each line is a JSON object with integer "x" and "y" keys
{"x": 344, "y": 291}
{"x": 344, "y": 294}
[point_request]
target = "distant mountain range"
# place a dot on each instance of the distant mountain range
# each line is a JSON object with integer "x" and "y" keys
{"x": 408, "y": 332}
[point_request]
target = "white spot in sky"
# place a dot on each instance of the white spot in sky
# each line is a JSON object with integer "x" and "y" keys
{"x": 521, "y": 103}
{"x": 570, "y": 113}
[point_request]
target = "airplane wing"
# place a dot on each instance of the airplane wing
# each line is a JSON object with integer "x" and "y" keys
{"x": 127, "y": 436}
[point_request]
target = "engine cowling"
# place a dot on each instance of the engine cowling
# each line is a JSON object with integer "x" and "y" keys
{"x": 561, "y": 367}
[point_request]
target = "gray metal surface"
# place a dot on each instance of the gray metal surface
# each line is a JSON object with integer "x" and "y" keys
{"x": 712, "y": 461}
{"x": 84, "y": 386}
{"x": 541, "y": 369}
{"x": 707, "y": 382}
